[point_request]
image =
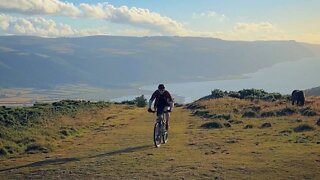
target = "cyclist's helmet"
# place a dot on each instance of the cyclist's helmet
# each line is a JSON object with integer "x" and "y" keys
{"x": 161, "y": 87}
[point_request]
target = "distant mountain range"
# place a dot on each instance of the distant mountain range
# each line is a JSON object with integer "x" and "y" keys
{"x": 111, "y": 61}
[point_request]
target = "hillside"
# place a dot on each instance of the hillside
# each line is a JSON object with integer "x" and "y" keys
{"x": 313, "y": 91}
{"x": 110, "y": 61}
{"x": 213, "y": 138}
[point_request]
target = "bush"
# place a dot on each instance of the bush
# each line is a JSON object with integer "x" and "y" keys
{"x": 234, "y": 121}
{"x": 308, "y": 112}
{"x": 318, "y": 122}
{"x": 268, "y": 114}
{"x": 36, "y": 148}
{"x": 3, "y": 152}
{"x": 128, "y": 102}
{"x": 227, "y": 125}
{"x": 222, "y": 116}
{"x": 212, "y": 125}
{"x": 204, "y": 114}
{"x": 265, "y": 125}
{"x": 217, "y": 93}
{"x": 250, "y": 114}
{"x": 65, "y": 131}
{"x": 303, "y": 127}
{"x": 140, "y": 101}
{"x": 248, "y": 126}
{"x": 234, "y": 94}
{"x": 252, "y": 93}
{"x": 286, "y": 111}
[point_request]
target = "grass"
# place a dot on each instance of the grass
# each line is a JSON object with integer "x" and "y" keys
{"x": 42, "y": 124}
{"x": 115, "y": 142}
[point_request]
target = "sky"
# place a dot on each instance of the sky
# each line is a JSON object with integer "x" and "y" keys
{"x": 245, "y": 20}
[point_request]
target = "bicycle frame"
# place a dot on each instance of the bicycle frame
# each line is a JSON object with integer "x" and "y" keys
{"x": 160, "y": 132}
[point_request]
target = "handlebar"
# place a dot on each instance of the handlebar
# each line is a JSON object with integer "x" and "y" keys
{"x": 152, "y": 111}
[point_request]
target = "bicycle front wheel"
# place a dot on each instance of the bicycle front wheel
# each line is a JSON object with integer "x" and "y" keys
{"x": 157, "y": 134}
{"x": 165, "y": 134}
{"x": 165, "y": 137}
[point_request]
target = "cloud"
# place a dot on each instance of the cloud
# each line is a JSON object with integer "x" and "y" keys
{"x": 39, "y": 26}
{"x": 133, "y": 16}
{"x": 247, "y": 32}
{"x": 39, "y": 7}
{"x": 212, "y": 15}
{"x": 137, "y": 17}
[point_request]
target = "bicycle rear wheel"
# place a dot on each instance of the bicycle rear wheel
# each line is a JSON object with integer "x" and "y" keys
{"x": 157, "y": 134}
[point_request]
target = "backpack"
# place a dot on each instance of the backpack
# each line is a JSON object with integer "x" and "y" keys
{"x": 162, "y": 100}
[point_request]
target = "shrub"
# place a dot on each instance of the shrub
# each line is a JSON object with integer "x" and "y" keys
{"x": 252, "y": 93}
{"x": 250, "y": 114}
{"x": 201, "y": 113}
{"x": 255, "y": 108}
{"x": 272, "y": 96}
{"x": 318, "y": 122}
{"x": 233, "y": 121}
{"x": 303, "y": 127}
{"x": 248, "y": 126}
{"x": 212, "y": 125}
{"x": 234, "y": 94}
{"x": 3, "y": 151}
{"x": 127, "y": 102}
{"x": 36, "y": 148}
{"x": 217, "y": 93}
{"x": 65, "y": 131}
{"x": 286, "y": 111}
{"x": 140, "y": 101}
{"x": 308, "y": 112}
{"x": 268, "y": 114}
{"x": 265, "y": 125}
{"x": 227, "y": 125}
{"x": 222, "y": 116}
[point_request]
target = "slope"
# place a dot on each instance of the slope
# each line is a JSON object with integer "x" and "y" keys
{"x": 117, "y": 144}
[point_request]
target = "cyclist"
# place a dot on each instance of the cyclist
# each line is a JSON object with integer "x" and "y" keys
{"x": 163, "y": 102}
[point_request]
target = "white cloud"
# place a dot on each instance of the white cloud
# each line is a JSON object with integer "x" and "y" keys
{"x": 247, "y": 32}
{"x": 38, "y": 26}
{"x": 133, "y": 16}
{"x": 265, "y": 27}
{"x": 137, "y": 17}
{"x": 210, "y": 15}
{"x": 39, "y": 7}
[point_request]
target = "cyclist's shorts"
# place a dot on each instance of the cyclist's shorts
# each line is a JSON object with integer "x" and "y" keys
{"x": 161, "y": 110}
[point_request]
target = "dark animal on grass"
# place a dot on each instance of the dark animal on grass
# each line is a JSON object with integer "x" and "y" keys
{"x": 297, "y": 97}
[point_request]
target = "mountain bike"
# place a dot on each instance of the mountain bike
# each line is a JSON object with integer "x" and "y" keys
{"x": 160, "y": 133}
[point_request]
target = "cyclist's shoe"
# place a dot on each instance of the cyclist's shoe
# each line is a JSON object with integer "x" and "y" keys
{"x": 150, "y": 110}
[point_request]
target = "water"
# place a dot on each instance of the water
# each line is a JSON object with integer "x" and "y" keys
{"x": 282, "y": 78}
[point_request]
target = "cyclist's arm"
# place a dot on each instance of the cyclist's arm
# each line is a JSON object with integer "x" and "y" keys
{"x": 170, "y": 100}
{"x": 153, "y": 97}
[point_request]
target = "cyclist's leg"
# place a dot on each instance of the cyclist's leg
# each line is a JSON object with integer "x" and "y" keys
{"x": 167, "y": 117}
{"x": 159, "y": 113}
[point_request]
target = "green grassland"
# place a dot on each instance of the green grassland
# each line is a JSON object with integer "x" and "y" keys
{"x": 213, "y": 138}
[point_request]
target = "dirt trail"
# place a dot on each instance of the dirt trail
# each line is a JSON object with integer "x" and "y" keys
{"x": 120, "y": 147}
